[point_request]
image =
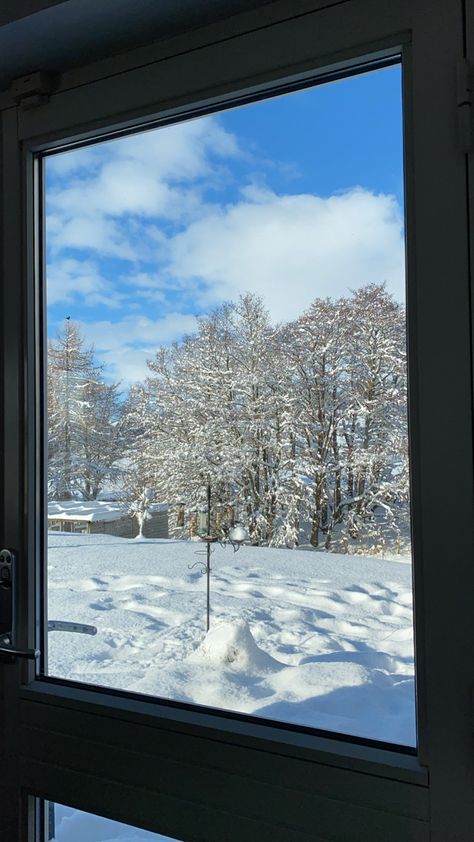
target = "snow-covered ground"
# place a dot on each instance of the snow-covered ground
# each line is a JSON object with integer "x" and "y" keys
{"x": 306, "y": 637}
{"x": 75, "y": 826}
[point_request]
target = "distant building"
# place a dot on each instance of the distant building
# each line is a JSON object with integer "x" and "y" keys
{"x": 105, "y": 518}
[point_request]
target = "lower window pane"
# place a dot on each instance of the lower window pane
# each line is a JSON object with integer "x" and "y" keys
{"x": 66, "y": 824}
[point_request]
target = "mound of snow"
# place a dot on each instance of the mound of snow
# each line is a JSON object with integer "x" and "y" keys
{"x": 232, "y": 644}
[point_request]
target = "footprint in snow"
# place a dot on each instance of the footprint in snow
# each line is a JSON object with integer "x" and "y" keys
{"x": 103, "y": 605}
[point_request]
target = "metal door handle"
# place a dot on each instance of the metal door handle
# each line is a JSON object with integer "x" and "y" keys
{"x": 7, "y": 609}
{"x": 12, "y": 652}
{"x": 7, "y": 613}
{"x": 66, "y": 626}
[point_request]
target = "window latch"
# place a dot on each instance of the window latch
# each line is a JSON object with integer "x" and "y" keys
{"x": 464, "y": 105}
{"x": 7, "y": 610}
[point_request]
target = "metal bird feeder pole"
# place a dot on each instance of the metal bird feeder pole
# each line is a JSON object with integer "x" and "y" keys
{"x": 236, "y": 537}
{"x": 205, "y": 535}
{"x": 208, "y": 556}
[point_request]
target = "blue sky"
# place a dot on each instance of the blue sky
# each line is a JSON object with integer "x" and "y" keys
{"x": 292, "y": 198}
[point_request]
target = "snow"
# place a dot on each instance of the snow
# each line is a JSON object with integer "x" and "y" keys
{"x": 238, "y": 534}
{"x": 75, "y": 826}
{"x": 95, "y": 510}
{"x": 312, "y": 638}
{"x": 88, "y": 512}
{"x": 233, "y": 644}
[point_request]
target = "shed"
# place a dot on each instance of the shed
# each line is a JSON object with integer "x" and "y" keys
{"x": 105, "y": 518}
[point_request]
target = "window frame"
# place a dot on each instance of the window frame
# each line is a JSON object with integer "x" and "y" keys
{"x": 285, "y": 779}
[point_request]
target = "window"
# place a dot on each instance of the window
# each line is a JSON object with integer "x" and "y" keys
{"x": 192, "y": 773}
{"x": 233, "y": 363}
{"x": 65, "y": 824}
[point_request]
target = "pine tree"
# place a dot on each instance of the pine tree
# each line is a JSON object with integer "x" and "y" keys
{"x": 102, "y": 437}
{"x": 85, "y": 441}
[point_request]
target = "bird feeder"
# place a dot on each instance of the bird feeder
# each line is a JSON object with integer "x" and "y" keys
{"x": 238, "y": 534}
{"x": 203, "y": 521}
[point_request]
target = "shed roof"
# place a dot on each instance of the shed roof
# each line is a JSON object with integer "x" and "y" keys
{"x": 88, "y": 511}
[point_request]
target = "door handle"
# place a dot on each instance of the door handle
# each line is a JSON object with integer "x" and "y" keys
{"x": 7, "y": 610}
{"x": 8, "y": 650}
{"x": 12, "y": 652}
{"x": 66, "y": 626}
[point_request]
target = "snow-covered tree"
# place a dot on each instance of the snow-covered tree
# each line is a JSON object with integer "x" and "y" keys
{"x": 212, "y": 409}
{"x": 376, "y": 427}
{"x": 347, "y": 375}
{"x": 300, "y": 428}
{"x": 85, "y": 428}
{"x": 140, "y": 507}
{"x": 316, "y": 354}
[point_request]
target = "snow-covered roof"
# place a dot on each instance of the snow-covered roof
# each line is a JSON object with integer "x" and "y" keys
{"x": 86, "y": 511}
{"x": 92, "y": 510}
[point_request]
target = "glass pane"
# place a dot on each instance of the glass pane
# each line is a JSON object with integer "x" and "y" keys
{"x": 228, "y": 468}
{"x": 66, "y": 824}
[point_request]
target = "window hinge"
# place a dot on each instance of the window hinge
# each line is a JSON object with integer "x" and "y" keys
{"x": 464, "y": 103}
{"x": 32, "y": 90}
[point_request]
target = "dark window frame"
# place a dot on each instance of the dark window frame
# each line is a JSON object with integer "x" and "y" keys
{"x": 283, "y": 776}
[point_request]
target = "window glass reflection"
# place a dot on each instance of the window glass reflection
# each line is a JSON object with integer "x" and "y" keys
{"x": 69, "y": 825}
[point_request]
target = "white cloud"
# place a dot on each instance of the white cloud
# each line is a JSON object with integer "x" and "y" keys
{"x": 121, "y": 200}
{"x": 155, "y": 175}
{"x": 64, "y": 163}
{"x": 123, "y": 187}
{"x": 70, "y": 280}
{"x": 125, "y": 345}
{"x": 178, "y": 152}
{"x": 288, "y": 249}
{"x": 181, "y": 152}
{"x": 291, "y": 249}
{"x": 87, "y": 232}
{"x": 146, "y": 286}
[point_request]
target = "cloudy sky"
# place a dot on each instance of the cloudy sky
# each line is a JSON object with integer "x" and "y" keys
{"x": 292, "y": 198}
